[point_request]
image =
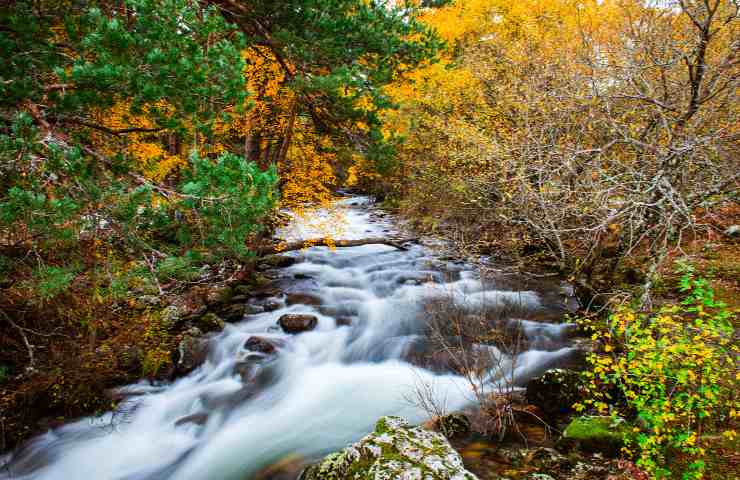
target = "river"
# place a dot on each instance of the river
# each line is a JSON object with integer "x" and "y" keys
{"x": 323, "y": 388}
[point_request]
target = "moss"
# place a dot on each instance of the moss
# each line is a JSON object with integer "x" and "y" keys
{"x": 596, "y": 434}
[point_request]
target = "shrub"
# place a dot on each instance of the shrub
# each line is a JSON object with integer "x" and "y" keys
{"x": 675, "y": 370}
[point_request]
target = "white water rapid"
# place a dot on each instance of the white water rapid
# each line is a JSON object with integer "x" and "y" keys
{"x": 322, "y": 389}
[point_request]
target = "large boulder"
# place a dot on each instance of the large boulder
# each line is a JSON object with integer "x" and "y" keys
{"x": 395, "y": 450}
{"x": 595, "y": 434}
{"x": 297, "y": 323}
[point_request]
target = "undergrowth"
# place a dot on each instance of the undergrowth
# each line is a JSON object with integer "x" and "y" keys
{"x": 674, "y": 373}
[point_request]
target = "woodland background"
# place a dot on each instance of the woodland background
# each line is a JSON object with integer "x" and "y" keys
{"x": 145, "y": 146}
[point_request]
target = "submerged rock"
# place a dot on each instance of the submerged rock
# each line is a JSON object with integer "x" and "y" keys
{"x": 595, "y": 434}
{"x": 297, "y": 323}
{"x": 302, "y": 299}
{"x": 395, "y": 450}
{"x": 195, "y": 418}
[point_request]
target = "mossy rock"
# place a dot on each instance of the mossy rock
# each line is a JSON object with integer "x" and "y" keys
{"x": 277, "y": 261}
{"x": 395, "y": 450}
{"x": 453, "y": 425}
{"x": 555, "y": 391}
{"x": 595, "y": 434}
{"x": 219, "y": 295}
{"x": 210, "y": 322}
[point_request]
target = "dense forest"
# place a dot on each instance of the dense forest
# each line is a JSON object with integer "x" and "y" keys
{"x": 150, "y": 148}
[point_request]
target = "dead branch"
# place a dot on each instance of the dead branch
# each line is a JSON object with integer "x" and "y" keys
{"x": 29, "y": 347}
{"x": 328, "y": 242}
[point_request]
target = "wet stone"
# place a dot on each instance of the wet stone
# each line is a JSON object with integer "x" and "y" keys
{"x": 271, "y": 305}
{"x": 302, "y": 299}
{"x": 260, "y": 344}
{"x": 191, "y": 351}
{"x": 297, "y": 323}
{"x": 234, "y": 313}
{"x": 343, "y": 321}
{"x": 196, "y": 419}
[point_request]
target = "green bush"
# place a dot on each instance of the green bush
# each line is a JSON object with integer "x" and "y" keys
{"x": 676, "y": 371}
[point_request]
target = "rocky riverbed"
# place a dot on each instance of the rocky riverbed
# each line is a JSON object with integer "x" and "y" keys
{"x": 303, "y": 357}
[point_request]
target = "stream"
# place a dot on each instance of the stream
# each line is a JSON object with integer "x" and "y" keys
{"x": 321, "y": 389}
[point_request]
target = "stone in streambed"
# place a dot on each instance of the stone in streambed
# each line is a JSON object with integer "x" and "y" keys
{"x": 343, "y": 321}
{"x": 302, "y": 299}
{"x": 234, "y": 313}
{"x": 195, "y": 418}
{"x": 191, "y": 351}
{"x": 271, "y": 305}
{"x": 395, "y": 450}
{"x": 297, "y": 323}
{"x": 262, "y": 345}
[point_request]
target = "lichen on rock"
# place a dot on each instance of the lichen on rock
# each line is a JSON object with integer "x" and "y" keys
{"x": 395, "y": 450}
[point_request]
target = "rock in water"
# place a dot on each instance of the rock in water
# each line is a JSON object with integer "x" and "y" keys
{"x": 296, "y": 323}
{"x": 191, "y": 352}
{"x": 259, "y": 344}
{"x": 302, "y": 299}
{"x": 395, "y": 450}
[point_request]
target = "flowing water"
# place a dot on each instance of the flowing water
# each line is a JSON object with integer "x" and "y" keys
{"x": 323, "y": 388}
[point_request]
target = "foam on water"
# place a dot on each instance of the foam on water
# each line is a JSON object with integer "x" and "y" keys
{"x": 325, "y": 388}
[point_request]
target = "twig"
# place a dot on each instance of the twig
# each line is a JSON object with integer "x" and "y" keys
{"x": 29, "y": 347}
